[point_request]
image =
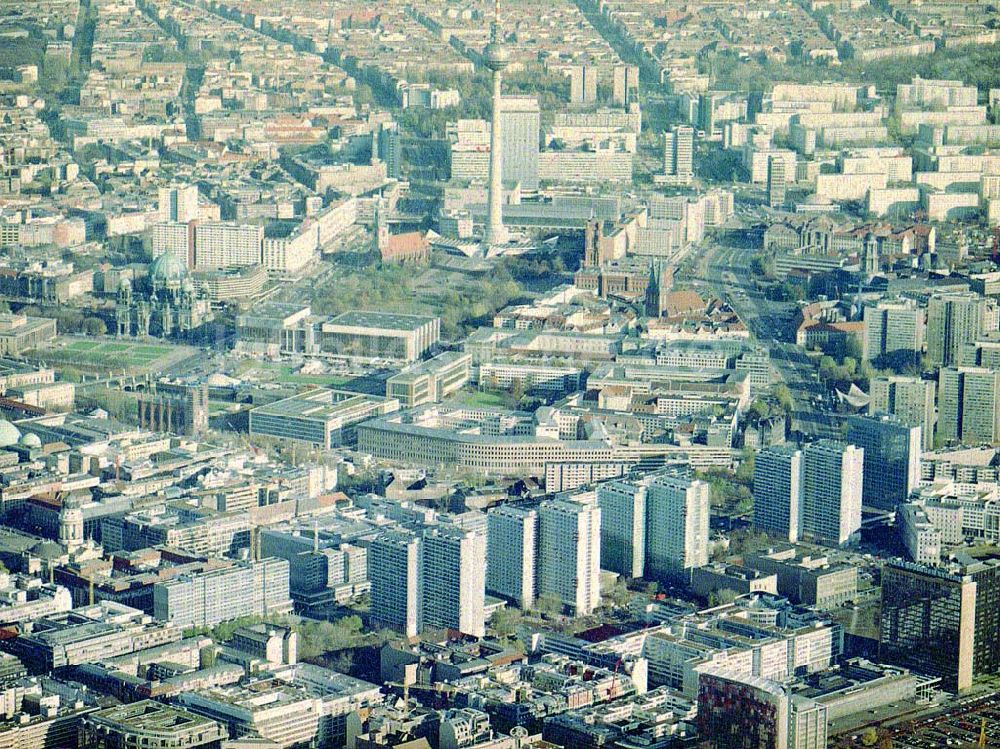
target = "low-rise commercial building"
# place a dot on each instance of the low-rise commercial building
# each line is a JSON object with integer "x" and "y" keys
{"x": 150, "y": 724}
{"x": 380, "y": 334}
{"x": 321, "y": 417}
{"x": 808, "y": 580}
{"x": 431, "y": 381}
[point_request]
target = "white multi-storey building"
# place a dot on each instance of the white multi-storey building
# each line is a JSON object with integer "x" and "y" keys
{"x": 969, "y": 404}
{"x": 258, "y": 588}
{"x": 175, "y": 238}
{"x": 220, "y": 245}
{"x": 677, "y": 515}
{"x": 453, "y": 566}
{"x": 832, "y": 480}
{"x": 911, "y": 399}
{"x": 893, "y": 330}
{"x": 512, "y": 553}
{"x": 178, "y": 203}
{"x": 954, "y": 320}
{"x": 623, "y": 527}
{"x": 569, "y": 558}
{"x": 395, "y": 572}
{"x": 777, "y": 491}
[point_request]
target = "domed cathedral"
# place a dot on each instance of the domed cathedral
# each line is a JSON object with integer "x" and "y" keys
{"x": 165, "y": 304}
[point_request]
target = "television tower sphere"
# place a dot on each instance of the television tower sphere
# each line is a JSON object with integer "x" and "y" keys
{"x": 496, "y": 56}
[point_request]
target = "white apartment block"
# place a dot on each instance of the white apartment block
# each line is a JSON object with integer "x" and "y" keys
{"x": 569, "y": 558}
{"x": 677, "y": 515}
{"x": 454, "y": 580}
{"x": 832, "y": 480}
{"x": 175, "y": 238}
{"x": 531, "y": 377}
{"x": 220, "y": 245}
{"x": 292, "y": 253}
{"x": 893, "y": 328}
{"x": 954, "y": 320}
{"x": 204, "y": 599}
{"x": 512, "y": 553}
{"x": 580, "y": 167}
{"x": 623, "y": 527}
{"x": 969, "y": 404}
{"x": 935, "y": 93}
{"x": 178, "y": 203}
{"x": 777, "y": 492}
{"x": 911, "y": 399}
{"x": 920, "y": 536}
{"x": 396, "y": 580}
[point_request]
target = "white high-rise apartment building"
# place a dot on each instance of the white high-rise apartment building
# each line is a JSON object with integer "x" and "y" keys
{"x": 777, "y": 492}
{"x": 220, "y": 245}
{"x": 677, "y": 515}
{"x": 911, "y": 399}
{"x": 454, "y": 580}
{"x": 395, "y": 572}
{"x": 569, "y": 556}
{"x": 178, "y": 203}
{"x": 582, "y": 84}
{"x": 832, "y": 481}
{"x": 969, "y": 404}
{"x": 512, "y": 553}
{"x": 954, "y": 320}
{"x": 678, "y": 151}
{"x": 623, "y": 527}
{"x": 175, "y": 238}
{"x": 625, "y": 85}
{"x": 893, "y": 330}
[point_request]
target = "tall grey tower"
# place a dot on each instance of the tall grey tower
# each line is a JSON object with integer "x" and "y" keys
{"x": 496, "y": 58}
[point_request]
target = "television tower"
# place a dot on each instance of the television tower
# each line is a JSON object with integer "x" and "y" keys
{"x": 496, "y": 59}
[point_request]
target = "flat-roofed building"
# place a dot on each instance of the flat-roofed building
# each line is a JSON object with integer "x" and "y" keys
{"x": 941, "y": 620}
{"x": 806, "y": 579}
{"x": 431, "y": 381}
{"x": 893, "y": 332}
{"x": 512, "y": 553}
{"x": 777, "y": 487}
{"x": 152, "y": 725}
{"x": 276, "y": 327}
{"x": 735, "y": 709}
{"x": 221, "y": 244}
{"x": 717, "y": 577}
{"x": 394, "y": 565}
{"x": 258, "y": 588}
{"x": 481, "y": 440}
{"x": 286, "y": 715}
{"x": 891, "y": 458}
{"x": 89, "y": 634}
{"x": 832, "y": 480}
{"x": 321, "y": 417}
{"x": 380, "y": 334}
{"x": 569, "y": 553}
{"x": 969, "y": 404}
{"x": 19, "y": 332}
{"x": 531, "y": 377}
{"x": 910, "y": 399}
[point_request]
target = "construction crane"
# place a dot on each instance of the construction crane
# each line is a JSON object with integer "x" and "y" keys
{"x": 982, "y": 734}
{"x": 614, "y": 677}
